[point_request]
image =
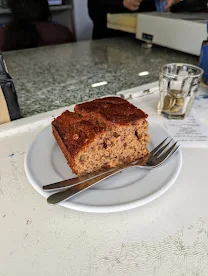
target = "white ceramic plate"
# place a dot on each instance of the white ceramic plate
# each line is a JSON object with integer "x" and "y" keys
{"x": 45, "y": 164}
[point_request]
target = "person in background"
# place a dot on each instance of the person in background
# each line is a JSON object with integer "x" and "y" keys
{"x": 98, "y": 10}
{"x": 31, "y": 26}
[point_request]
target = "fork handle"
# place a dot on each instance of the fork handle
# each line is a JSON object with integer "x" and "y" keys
{"x": 72, "y": 181}
{"x": 70, "y": 192}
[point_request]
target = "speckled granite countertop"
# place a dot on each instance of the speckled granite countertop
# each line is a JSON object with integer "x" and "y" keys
{"x": 51, "y": 77}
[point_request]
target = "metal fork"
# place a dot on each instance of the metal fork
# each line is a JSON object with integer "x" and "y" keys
{"x": 155, "y": 159}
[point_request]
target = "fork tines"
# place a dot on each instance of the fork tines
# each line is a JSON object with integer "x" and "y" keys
{"x": 162, "y": 152}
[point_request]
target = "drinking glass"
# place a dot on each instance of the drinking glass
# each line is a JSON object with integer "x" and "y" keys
{"x": 178, "y": 85}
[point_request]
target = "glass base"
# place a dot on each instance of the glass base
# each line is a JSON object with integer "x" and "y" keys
{"x": 173, "y": 116}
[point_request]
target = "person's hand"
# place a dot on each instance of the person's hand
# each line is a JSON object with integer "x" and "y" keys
{"x": 170, "y": 3}
{"x": 132, "y": 5}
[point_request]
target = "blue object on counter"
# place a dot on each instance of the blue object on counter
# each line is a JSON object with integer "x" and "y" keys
{"x": 54, "y": 2}
{"x": 203, "y": 60}
{"x": 160, "y": 5}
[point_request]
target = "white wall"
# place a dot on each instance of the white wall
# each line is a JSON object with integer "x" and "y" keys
{"x": 83, "y": 24}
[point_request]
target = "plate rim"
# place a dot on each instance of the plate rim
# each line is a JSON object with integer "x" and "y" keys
{"x": 110, "y": 208}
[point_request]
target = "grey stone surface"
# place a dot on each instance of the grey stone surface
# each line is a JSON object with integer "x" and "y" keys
{"x": 47, "y": 78}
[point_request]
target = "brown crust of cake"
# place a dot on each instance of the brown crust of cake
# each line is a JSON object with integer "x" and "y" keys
{"x": 62, "y": 146}
{"x": 75, "y": 132}
{"x": 111, "y": 110}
